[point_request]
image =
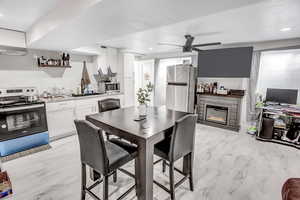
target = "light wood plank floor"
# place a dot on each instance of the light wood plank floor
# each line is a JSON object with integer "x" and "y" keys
{"x": 228, "y": 166}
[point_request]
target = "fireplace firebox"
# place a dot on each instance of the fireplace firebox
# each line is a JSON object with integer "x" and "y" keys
{"x": 216, "y": 114}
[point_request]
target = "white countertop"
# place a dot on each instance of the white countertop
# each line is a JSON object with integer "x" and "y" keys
{"x": 70, "y": 98}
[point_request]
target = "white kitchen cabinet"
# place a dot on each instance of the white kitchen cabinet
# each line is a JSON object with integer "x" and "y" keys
{"x": 61, "y": 115}
{"x": 60, "y": 118}
{"x": 85, "y": 107}
{"x": 90, "y": 106}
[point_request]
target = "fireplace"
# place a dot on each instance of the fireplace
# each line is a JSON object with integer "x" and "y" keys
{"x": 219, "y": 110}
{"x": 216, "y": 114}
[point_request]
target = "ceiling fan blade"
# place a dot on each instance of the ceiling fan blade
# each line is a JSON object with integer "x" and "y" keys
{"x": 196, "y": 49}
{"x": 207, "y": 44}
{"x": 169, "y": 44}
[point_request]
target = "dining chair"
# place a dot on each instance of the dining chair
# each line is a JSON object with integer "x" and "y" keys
{"x": 178, "y": 145}
{"x": 104, "y": 157}
{"x": 107, "y": 105}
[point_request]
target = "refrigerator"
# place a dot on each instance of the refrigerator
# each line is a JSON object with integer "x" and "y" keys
{"x": 180, "y": 92}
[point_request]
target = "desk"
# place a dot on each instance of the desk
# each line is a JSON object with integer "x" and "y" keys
{"x": 145, "y": 134}
{"x": 288, "y": 115}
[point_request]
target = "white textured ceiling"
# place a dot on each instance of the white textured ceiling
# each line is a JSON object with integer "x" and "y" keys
{"x": 138, "y": 25}
{"x": 111, "y": 19}
{"x": 253, "y": 23}
{"x": 21, "y": 14}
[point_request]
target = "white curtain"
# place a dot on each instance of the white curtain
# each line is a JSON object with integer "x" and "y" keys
{"x": 252, "y": 86}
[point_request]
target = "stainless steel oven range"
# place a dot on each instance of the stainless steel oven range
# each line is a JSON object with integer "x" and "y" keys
{"x": 23, "y": 121}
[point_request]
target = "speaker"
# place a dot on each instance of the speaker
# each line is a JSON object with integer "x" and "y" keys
{"x": 267, "y": 128}
{"x": 293, "y": 131}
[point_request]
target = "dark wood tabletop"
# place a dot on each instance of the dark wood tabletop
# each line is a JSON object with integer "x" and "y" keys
{"x": 158, "y": 120}
{"x": 145, "y": 134}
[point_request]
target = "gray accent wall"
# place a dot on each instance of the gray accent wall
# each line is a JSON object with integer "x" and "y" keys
{"x": 229, "y": 63}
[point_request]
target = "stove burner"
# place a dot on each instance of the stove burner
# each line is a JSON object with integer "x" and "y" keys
{"x": 7, "y": 102}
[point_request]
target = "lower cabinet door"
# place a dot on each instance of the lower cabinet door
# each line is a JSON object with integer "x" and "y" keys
{"x": 82, "y": 112}
{"x": 85, "y": 107}
{"x": 60, "y": 123}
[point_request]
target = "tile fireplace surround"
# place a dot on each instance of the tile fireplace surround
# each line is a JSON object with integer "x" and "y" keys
{"x": 221, "y": 111}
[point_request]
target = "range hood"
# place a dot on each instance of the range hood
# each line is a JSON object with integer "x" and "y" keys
{"x": 12, "y": 51}
{"x": 12, "y": 42}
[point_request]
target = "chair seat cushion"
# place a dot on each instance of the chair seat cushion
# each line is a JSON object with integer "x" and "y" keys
{"x": 291, "y": 189}
{"x": 130, "y": 148}
{"x": 162, "y": 148}
{"x": 117, "y": 156}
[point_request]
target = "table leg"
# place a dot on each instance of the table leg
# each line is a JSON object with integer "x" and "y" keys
{"x": 145, "y": 171}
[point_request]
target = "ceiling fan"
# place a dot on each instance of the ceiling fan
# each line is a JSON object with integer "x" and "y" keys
{"x": 188, "y": 46}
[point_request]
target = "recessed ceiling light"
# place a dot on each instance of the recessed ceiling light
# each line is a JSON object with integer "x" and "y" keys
{"x": 1, "y": 15}
{"x": 285, "y": 29}
{"x": 150, "y": 48}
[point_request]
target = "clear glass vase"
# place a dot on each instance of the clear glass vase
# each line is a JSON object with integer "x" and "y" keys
{"x": 142, "y": 110}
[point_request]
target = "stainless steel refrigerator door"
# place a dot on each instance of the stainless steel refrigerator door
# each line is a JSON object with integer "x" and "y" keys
{"x": 182, "y": 74}
{"x": 178, "y": 74}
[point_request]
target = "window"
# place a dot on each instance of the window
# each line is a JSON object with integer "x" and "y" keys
{"x": 143, "y": 74}
{"x": 279, "y": 69}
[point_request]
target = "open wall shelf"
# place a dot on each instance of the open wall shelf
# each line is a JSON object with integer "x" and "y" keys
{"x": 54, "y": 61}
{"x": 55, "y": 66}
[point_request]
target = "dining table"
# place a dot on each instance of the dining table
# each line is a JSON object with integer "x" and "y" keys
{"x": 145, "y": 133}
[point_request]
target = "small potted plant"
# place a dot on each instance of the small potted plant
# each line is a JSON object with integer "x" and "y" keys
{"x": 143, "y": 96}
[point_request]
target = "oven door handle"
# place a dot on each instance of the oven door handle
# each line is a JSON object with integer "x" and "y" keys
{"x": 21, "y": 108}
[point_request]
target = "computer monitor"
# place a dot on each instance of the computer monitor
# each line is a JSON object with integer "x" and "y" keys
{"x": 287, "y": 96}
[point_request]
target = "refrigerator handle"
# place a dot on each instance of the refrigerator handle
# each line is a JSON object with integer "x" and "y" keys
{"x": 177, "y": 84}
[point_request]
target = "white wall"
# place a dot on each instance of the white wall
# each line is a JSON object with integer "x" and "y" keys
{"x": 110, "y": 57}
{"x": 22, "y": 71}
